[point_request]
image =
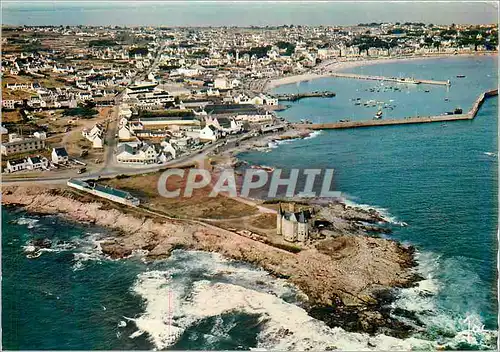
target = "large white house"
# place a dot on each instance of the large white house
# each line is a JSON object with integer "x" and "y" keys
{"x": 224, "y": 124}
{"x": 95, "y": 135}
{"x": 59, "y": 155}
{"x": 255, "y": 118}
{"x": 141, "y": 153}
{"x": 260, "y": 99}
{"x": 125, "y": 133}
{"x": 209, "y": 133}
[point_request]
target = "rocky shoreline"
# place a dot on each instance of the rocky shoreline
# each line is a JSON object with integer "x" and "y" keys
{"x": 348, "y": 278}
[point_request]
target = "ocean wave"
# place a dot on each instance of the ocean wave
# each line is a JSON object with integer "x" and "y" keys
{"x": 314, "y": 134}
{"x": 451, "y": 329}
{"x": 86, "y": 248}
{"x": 89, "y": 249}
{"x": 30, "y": 222}
{"x": 384, "y": 213}
{"x": 173, "y": 304}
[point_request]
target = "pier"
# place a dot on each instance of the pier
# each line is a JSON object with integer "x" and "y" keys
{"x": 390, "y": 79}
{"x": 408, "y": 120}
{"x": 298, "y": 96}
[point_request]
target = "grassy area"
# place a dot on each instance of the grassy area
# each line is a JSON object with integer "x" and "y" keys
{"x": 11, "y": 116}
{"x": 200, "y": 205}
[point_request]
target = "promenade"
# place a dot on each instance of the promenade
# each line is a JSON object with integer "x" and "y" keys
{"x": 408, "y": 120}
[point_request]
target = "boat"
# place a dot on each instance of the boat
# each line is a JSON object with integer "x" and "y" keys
{"x": 357, "y": 103}
{"x": 460, "y": 76}
{"x": 378, "y": 115}
{"x": 457, "y": 111}
{"x": 427, "y": 90}
{"x": 446, "y": 99}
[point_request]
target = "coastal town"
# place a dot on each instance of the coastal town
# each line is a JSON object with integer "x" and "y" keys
{"x": 79, "y": 100}
{"x": 93, "y": 117}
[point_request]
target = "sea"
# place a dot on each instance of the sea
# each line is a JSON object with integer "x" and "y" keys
{"x": 438, "y": 180}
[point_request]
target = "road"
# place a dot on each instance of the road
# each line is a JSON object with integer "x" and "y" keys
{"x": 110, "y": 168}
{"x": 114, "y": 171}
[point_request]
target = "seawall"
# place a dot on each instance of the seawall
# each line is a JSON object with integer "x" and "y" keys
{"x": 408, "y": 120}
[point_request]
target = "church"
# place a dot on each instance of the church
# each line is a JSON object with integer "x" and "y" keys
{"x": 293, "y": 224}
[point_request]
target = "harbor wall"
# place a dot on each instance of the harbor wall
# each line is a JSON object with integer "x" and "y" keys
{"x": 389, "y": 79}
{"x": 408, "y": 120}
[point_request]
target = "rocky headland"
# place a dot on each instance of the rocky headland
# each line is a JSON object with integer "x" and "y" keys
{"x": 348, "y": 277}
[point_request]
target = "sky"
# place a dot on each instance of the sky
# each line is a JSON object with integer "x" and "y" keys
{"x": 244, "y": 13}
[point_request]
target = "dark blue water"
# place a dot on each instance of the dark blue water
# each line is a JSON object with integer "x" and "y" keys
{"x": 437, "y": 178}
{"x": 60, "y": 300}
{"x": 72, "y": 297}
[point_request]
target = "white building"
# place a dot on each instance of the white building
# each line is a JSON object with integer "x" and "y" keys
{"x": 17, "y": 165}
{"x": 255, "y": 118}
{"x": 10, "y": 104}
{"x": 21, "y": 145}
{"x": 40, "y": 135}
{"x": 125, "y": 133}
{"x": 169, "y": 149}
{"x": 59, "y": 155}
{"x": 95, "y": 135}
{"x": 224, "y": 124}
{"x": 209, "y": 133}
{"x": 142, "y": 153}
{"x": 221, "y": 83}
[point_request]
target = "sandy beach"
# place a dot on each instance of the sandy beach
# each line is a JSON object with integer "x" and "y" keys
{"x": 330, "y": 66}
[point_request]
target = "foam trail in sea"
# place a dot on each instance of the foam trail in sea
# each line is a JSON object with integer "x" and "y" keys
{"x": 198, "y": 285}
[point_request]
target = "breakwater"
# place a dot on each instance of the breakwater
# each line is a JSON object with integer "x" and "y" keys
{"x": 407, "y": 120}
{"x": 390, "y": 79}
{"x": 298, "y": 96}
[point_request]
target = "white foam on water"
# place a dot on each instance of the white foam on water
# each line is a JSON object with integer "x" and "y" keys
{"x": 89, "y": 249}
{"x": 174, "y": 304}
{"x": 423, "y": 301}
{"x": 30, "y": 222}
{"x": 314, "y": 134}
{"x": 29, "y": 248}
{"x": 272, "y": 145}
{"x": 384, "y": 213}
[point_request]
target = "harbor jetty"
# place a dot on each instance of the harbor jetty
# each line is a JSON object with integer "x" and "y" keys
{"x": 298, "y": 96}
{"x": 390, "y": 79}
{"x": 408, "y": 120}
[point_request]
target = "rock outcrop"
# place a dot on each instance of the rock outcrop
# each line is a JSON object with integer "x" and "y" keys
{"x": 342, "y": 276}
